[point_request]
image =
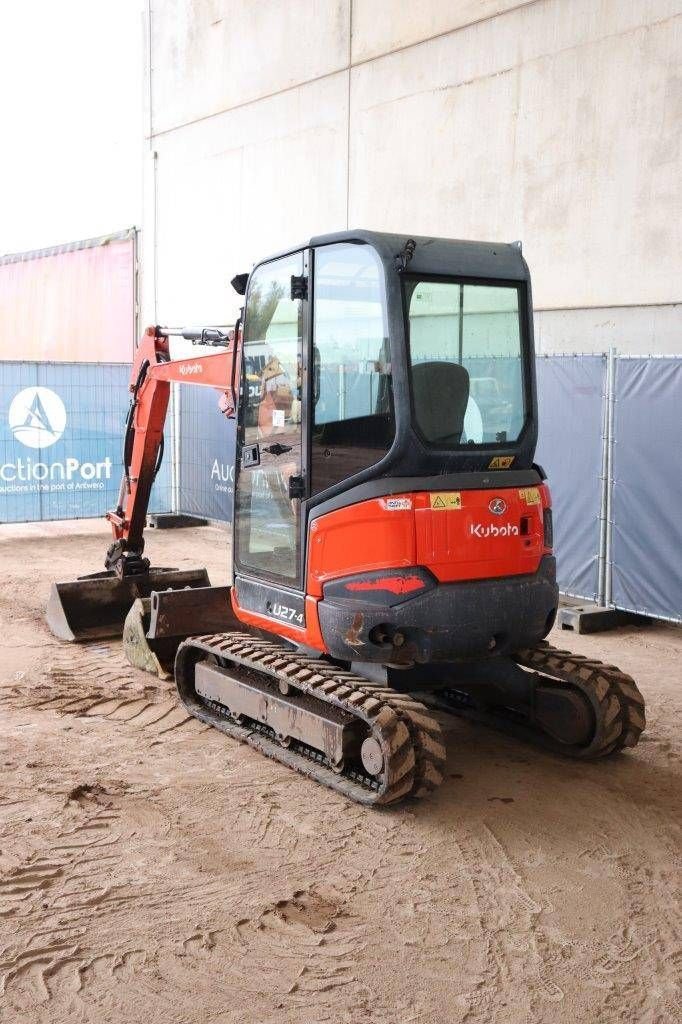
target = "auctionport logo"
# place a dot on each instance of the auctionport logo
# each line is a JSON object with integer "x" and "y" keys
{"x": 37, "y": 417}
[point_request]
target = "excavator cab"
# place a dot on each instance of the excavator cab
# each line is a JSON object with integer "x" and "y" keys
{"x": 392, "y": 535}
{"x": 396, "y": 388}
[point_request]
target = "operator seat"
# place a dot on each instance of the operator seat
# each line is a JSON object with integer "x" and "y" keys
{"x": 438, "y": 388}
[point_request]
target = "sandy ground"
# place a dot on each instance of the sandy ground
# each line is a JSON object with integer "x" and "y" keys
{"x": 153, "y": 870}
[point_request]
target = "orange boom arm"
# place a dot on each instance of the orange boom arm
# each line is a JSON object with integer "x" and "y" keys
{"x": 152, "y": 372}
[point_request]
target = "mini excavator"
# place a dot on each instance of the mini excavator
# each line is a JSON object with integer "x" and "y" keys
{"x": 392, "y": 535}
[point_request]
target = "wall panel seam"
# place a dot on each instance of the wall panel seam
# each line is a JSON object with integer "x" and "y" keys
{"x": 349, "y": 68}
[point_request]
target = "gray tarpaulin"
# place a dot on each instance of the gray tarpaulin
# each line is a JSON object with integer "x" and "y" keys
{"x": 647, "y": 473}
{"x": 646, "y": 549}
{"x": 207, "y": 456}
{"x": 569, "y": 449}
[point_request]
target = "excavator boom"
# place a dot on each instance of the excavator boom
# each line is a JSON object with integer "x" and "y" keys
{"x": 96, "y": 606}
{"x": 151, "y": 377}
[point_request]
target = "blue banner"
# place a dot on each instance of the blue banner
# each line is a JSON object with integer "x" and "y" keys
{"x": 61, "y": 438}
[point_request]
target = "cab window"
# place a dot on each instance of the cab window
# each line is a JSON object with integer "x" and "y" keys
{"x": 466, "y": 347}
{"x": 352, "y": 398}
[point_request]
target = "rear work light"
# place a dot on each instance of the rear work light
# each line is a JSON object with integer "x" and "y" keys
{"x": 548, "y": 528}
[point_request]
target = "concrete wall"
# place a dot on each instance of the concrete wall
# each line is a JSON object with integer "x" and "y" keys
{"x": 558, "y": 122}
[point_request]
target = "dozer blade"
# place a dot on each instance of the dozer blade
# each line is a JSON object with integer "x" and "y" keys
{"x": 143, "y": 653}
{"x": 94, "y": 607}
{"x": 155, "y": 626}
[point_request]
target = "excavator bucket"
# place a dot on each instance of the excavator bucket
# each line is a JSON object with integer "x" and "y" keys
{"x": 95, "y": 607}
{"x": 155, "y": 626}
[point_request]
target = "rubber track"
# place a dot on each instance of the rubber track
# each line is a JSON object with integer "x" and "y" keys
{"x": 427, "y": 738}
{"x": 409, "y": 737}
{"x": 617, "y": 703}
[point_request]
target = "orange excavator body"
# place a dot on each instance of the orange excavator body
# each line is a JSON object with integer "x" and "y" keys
{"x": 391, "y": 531}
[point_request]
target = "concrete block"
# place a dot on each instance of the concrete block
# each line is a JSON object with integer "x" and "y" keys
{"x": 555, "y": 124}
{"x": 380, "y": 26}
{"x": 240, "y": 186}
{"x": 595, "y": 619}
{"x": 211, "y": 57}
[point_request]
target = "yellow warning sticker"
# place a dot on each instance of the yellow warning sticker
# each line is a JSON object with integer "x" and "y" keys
{"x": 501, "y": 462}
{"x": 445, "y": 499}
{"x": 530, "y": 495}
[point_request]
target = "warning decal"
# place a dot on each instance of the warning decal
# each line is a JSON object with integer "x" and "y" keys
{"x": 501, "y": 462}
{"x": 445, "y": 499}
{"x": 530, "y": 495}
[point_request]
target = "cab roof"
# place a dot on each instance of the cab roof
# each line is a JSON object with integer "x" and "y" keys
{"x": 446, "y": 256}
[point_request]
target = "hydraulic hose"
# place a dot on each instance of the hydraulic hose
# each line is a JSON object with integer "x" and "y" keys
{"x": 129, "y": 434}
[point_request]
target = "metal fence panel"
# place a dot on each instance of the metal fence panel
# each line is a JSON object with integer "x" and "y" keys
{"x": 570, "y": 399}
{"x": 205, "y": 485}
{"x": 646, "y": 564}
{"x": 61, "y": 438}
{"x": 61, "y": 433}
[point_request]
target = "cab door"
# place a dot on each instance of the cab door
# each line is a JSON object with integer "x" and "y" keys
{"x": 270, "y": 482}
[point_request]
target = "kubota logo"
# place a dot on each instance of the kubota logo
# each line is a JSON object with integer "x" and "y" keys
{"x": 37, "y": 417}
{"x": 191, "y": 368}
{"x": 479, "y": 530}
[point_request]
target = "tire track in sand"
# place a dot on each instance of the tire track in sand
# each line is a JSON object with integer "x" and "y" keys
{"x": 97, "y": 682}
{"x": 38, "y": 900}
{"x": 508, "y": 922}
{"x": 65, "y": 913}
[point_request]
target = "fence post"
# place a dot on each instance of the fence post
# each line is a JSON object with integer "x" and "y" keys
{"x": 608, "y": 488}
{"x": 175, "y": 457}
{"x": 601, "y": 562}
